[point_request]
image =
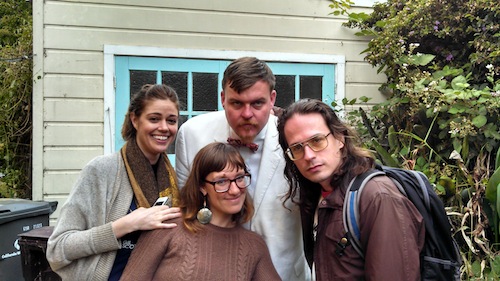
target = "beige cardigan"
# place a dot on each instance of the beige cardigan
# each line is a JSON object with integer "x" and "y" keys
{"x": 83, "y": 246}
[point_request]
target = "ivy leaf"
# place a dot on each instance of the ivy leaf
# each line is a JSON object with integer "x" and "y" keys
{"x": 459, "y": 83}
{"x": 423, "y": 59}
{"x": 479, "y": 121}
{"x": 364, "y": 98}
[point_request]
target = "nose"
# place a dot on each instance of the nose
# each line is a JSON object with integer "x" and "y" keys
{"x": 247, "y": 112}
{"x": 308, "y": 152}
{"x": 163, "y": 126}
{"x": 233, "y": 188}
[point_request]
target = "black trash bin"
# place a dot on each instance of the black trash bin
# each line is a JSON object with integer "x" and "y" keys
{"x": 18, "y": 216}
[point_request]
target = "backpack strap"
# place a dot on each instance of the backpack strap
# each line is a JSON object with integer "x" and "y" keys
{"x": 350, "y": 211}
{"x": 420, "y": 178}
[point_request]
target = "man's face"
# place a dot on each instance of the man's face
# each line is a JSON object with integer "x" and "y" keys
{"x": 248, "y": 112}
{"x": 316, "y": 166}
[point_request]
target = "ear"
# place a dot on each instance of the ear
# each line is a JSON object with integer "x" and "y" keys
{"x": 134, "y": 119}
{"x": 203, "y": 190}
{"x": 339, "y": 141}
{"x": 273, "y": 97}
{"x": 222, "y": 98}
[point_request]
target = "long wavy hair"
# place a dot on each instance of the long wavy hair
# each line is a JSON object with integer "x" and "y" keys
{"x": 214, "y": 157}
{"x": 354, "y": 159}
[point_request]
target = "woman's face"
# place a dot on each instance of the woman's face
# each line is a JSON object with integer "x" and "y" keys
{"x": 224, "y": 205}
{"x": 156, "y": 127}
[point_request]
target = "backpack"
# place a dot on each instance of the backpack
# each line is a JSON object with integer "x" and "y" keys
{"x": 440, "y": 256}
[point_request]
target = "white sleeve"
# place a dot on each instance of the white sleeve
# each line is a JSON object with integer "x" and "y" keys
{"x": 181, "y": 158}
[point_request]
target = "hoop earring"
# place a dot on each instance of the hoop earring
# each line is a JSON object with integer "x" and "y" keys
{"x": 204, "y": 215}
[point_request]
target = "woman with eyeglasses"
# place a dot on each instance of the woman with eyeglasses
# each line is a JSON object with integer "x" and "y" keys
{"x": 210, "y": 242}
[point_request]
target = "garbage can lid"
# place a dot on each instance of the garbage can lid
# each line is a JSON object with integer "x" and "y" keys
{"x": 14, "y": 209}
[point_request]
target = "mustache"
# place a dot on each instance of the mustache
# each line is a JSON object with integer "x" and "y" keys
{"x": 248, "y": 123}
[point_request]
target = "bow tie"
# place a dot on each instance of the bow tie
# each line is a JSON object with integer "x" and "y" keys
{"x": 238, "y": 143}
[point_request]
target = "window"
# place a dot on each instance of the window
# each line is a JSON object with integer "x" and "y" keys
{"x": 197, "y": 81}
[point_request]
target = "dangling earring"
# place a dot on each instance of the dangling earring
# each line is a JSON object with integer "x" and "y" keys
{"x": 204, "y": 214}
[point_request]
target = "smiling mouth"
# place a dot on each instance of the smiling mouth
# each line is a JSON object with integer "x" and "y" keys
{"x": 162, "y": 138}
{"x": 234, "y": 198}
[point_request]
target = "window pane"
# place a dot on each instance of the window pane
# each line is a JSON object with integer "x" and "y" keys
{"x": 140, "y": 77}
{"x": 171, "y": 147}
{"x": 285, "y": 88}
{"x": 205, "y": 91}
{"x": 178, "y": 81}
{"x": 311, "y": 87}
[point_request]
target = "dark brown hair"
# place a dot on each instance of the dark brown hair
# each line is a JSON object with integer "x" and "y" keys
{"x": 355, "y": 159}
{"x": 138, "y": 101}
{"x": 214, "y": 157}
{"x": 244, "y": 72}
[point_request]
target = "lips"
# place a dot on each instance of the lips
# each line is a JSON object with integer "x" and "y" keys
{"x": 314, "y": 167}
{"x": 161, "y": 138}
{"x": 234, "y": 200}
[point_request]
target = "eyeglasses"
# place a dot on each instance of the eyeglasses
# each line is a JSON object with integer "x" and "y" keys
{"x": 223, "y": 185}
{"x": 317, "y": 143}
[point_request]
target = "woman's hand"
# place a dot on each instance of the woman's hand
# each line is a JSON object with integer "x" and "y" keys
{"x": 145, "y": 219}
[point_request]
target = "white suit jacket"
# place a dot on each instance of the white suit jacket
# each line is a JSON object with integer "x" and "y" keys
{"x": 280, "y": 227}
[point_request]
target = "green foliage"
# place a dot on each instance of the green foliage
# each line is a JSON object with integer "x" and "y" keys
{"x": 461, "y": 34}
{"x": 442, "y": 62}
{"x": 15, "y": 98}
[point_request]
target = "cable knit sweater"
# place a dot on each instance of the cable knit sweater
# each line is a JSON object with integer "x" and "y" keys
{"x": 212, "y": 254}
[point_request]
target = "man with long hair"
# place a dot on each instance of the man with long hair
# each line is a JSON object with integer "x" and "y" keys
{"x": 322, "y": 157}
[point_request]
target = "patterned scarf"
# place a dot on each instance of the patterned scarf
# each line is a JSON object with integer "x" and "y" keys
{"x": 147, "y": 184}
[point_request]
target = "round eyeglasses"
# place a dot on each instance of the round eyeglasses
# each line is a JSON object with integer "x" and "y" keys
{"x": 317, "y": 143}
{"x": 223, "y": 185}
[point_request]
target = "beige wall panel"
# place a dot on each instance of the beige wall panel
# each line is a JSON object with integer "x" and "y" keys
{"x": 61, "y": 200}
{"x": 74, "y": 110}
{"x": 82, "y": 134}
{"x": 56, "y": 38}
{"x": 70, "y": 158}
{"x": 74, "y": 62}
{"x": 73, "y": 86}
{"x": 367, "y": 90}
{"x": 75, "y": 32}
{"x": 310, "y": 8}
{"x": 63, "y": 13}
{"x": 59, "y": 183}
{"x": 363, "y": 73}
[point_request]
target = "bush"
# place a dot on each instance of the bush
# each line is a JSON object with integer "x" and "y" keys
{"x": 442, "y": 62}
{"x": 15, "y": 98}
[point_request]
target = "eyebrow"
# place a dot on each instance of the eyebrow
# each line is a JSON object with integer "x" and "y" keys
{"x": 252, "y": 101}
{"x": 159, "y": 114}
{"x": 308, "y": 139}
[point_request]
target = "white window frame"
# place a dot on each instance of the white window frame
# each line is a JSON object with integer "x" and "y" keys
{"x": 367, "y": 3}
{"x": 110, "y": 51}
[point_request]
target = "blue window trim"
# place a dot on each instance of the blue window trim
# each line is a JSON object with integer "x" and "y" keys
{"x": 112, "y": 70}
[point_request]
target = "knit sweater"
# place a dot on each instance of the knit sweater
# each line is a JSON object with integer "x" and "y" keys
{"x": 83, "y": 246}
{"x": 211, "y": 254}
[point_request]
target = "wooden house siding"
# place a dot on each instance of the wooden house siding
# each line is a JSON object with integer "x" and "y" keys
{"x": 69, "y": 62}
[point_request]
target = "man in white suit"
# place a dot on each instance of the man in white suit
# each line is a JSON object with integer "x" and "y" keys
{"x": 248, "y": 96}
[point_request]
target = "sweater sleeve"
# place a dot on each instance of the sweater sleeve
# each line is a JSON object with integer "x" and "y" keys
{"x": 392, "y": 232}
{"x": 147, "y": 255}
{"x": 82, "y": 230}
{"x": 264, "y": 270}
